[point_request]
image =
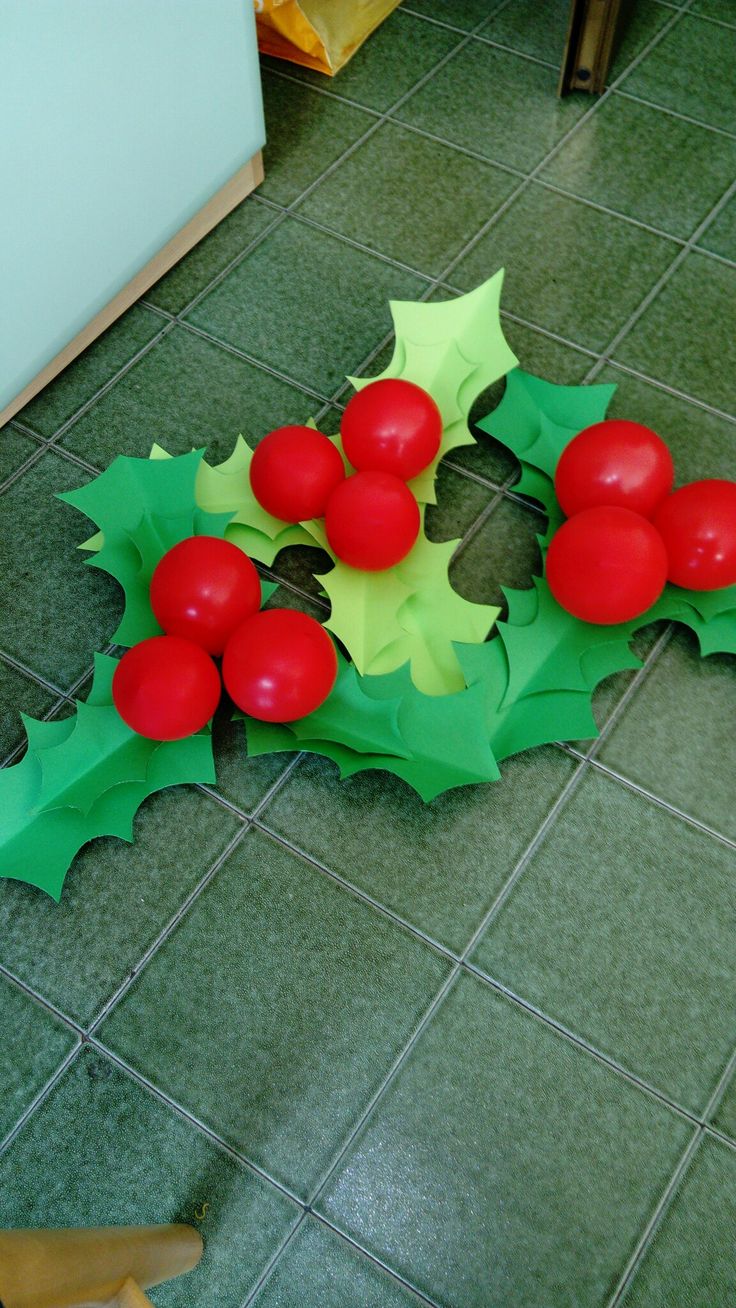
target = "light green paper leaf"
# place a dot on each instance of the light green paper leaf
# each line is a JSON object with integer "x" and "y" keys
{"x": 364, "y": 609}
{"x": 454, "y": 349}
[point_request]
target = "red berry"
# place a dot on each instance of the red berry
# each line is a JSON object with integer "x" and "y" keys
{"x": 372, "y": 521}
{"x": 606, "y": 565}
{"x": 294, "y": 471}
{"x": 391, "y": 426}
{"x": 614, "y": 463}
{"x": 202, "y": 589}
{"x": 698, "y": 526}
{"x": 166, "y": 688}
{"x": 279, "y": 665}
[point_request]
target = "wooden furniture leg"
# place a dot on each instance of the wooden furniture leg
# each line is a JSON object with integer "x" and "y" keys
{"x": 109, "y": 1265}
{"x": 589, "y": 44}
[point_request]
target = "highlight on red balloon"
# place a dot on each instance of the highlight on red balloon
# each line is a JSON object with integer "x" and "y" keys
{"x": 279, "y": 665}
{"x": 293, "y": 472}
{"x": 391, "y": 426}
{"x": 166, "y": 688}
{"x": 614, "y": 462}
{"x": 372, "y": 521}
{"x": 202, "y": 589}
{"x": 698, "y": 526}
{"x": 606, "y": 565}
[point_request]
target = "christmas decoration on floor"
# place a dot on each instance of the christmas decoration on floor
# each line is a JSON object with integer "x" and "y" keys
{"x": 404, "y": 674}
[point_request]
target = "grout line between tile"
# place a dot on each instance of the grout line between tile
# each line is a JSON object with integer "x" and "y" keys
{"x": 664, "y": 804}
{"x": 39, "y": 1099}
{"x": 273, "y": 1260}
{"x": 674, "y": 113}
{"x": 632, "y": 320}
{"x": 33, "y": 676}
{"x": 652, "y": 1225}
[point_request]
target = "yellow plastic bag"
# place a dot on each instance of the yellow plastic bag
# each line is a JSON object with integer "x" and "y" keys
{"x": 321, "y": 34}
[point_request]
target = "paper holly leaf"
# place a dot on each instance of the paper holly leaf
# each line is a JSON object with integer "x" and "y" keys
{"x": 445, "y": 741}
{"x": 552, "y": 652}
{"x": 142, "y": 507}
{"x": 84, "y": 777}
{"x": 351, "y": 717}
{"x": 454, "y": 349}
{"x": 536, "y": 419}
{"x": 433, "y": 617}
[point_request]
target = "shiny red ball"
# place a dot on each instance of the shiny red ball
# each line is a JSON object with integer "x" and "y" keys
{"x": 279, "y": 665}
{"x": 202, "y": 589}
{"x": 166, "y": 688}
{"x": 698, "y": 526}
{"x": 294, "y": 471}
{"x": 614, "y": 463}
{"x": 606, "y": 565}
{"x": 372, "y": 521}
{"x": 391, "y": 426}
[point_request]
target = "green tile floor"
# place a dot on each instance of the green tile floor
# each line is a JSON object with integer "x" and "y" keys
{"x": 480, "y": 1054}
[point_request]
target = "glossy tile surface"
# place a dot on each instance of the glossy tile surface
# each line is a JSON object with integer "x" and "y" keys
{"x": 304, "y": 1009}
{"x": 495, "y": 1141}
{"x": 254, "y": 972}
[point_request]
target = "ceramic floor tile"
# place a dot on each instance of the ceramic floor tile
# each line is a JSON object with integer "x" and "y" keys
{"x": 18, "y": 694}
{"x": 533, "y": 27}
{"x": 78, "y": 383}
{"x": 583, "y": 290}
{"x": 318, "y": 1268}
{"x": 691, "y": 1263}
{"x": 665, "y": 75}
{"x": 208, "y": 258}
{"x": 439, "y": 865}
{"x": 503, "y": 552}
{"x": 720, "y": 236}
{"x": 501, "y": 105}
{"x": 539, "y": 28}
{"x": 460, "y": 502}
{"x": 504, "y": 1165}
{"x": 305, "y": 133}
{"x": 386, "y": 196}
{"x": 116, "y": 901}
{"x": 393, "y": 59}
{"x": 61, "y": 611}
{"x": 102, "y": 1151}
{"x": 307, "y": 304}
{"x": 15, "y": 448}
{"x": 620, "y": 928}
{"x": 296, "y": 1017}
{"x": 700, "y": 360}
{"x": 724, "y": 1117}
{"x": 721, "y": 10}
{"x": 639, "y": 24}
{"x": 34, "y": 1045}
{"x": 653, "y": 183}
{"x": 463, "y": 14}
{"x": 676, "y": 737}
{"x": 702, "y": 443}
{"x": 187, "y": 392}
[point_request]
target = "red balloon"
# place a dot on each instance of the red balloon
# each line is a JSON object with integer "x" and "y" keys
{"x": 614, "y": 462}
{"x": 279, "y": 665}
{"x": 698, "y": 526}
{"x": 391, "y": 426}
{"x": 294, "y": 471}
{"x": 606, "y": 565}
{"x": 202, "y": 589}
{"x": 166, "y": 688}
{"x": 372, "y": 520}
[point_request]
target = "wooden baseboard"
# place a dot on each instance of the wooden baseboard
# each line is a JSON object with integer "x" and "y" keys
{"x": 240, "y": 184}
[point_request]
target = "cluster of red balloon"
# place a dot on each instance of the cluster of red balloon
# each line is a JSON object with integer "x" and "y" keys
{"x": 277, "y": 665}
{"x": 627, "y": 533}
{"x": 391, "y": 431}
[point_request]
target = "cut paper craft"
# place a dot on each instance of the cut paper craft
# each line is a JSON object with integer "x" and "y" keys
{"x": 82, "y": 777}
{"x": 423, "y": 692}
